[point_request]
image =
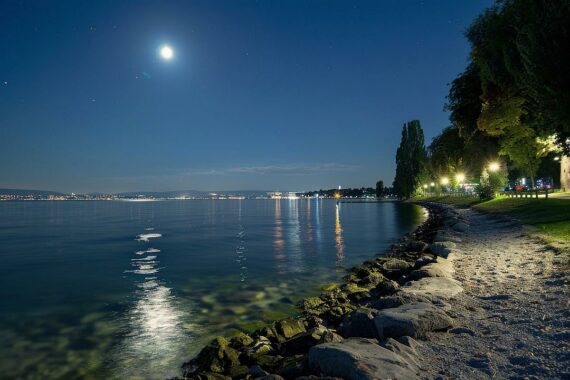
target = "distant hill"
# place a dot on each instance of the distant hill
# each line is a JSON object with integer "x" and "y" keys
{"x": 23, "y": 192}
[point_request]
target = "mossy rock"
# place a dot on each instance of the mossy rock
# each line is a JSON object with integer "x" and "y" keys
{"x": 217, "y": 357}
{"x": 268, "y": 360}
{"x": 311, "y": 303}
{"x": 393, "y": 264}
{"x": 373, "y": 280}
{"x": 361, "y": 272}
{"x": 352, "y": 287}
{"x": 261, "y": 346}
{"x": 239, "y": 371}
{"x": 241, "y": 340}
{"x": 290, "y": 327}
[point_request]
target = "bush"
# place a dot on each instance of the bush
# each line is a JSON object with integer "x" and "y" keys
{"x": 490, "y": 184}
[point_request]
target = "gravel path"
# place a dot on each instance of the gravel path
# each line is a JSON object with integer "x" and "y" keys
{"x": 513, "y": 318}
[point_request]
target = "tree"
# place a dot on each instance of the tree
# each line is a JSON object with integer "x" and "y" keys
{"x": 491, "y": 183}
{"x": 446, "y": 152}
{"x": 379, "y": 189}
{"x": 410, "y": 159}
{"x": 516, "y": 89}
{"x": 464, "y": 104}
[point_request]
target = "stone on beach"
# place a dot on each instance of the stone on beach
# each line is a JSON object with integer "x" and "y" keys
{"x": 460, "y": 226}
{"x": 414, "y": 320}
{"x": 360, "y": 359}
{"x": 359, "y": 323}
{"x": 443, "y": 248}
{"x": 397, "y": 299}
{"x": 433, "y": 288}
{"x": 441, "y": 268}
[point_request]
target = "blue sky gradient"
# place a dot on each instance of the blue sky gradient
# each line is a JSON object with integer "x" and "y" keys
{"x": 291, "y": 95}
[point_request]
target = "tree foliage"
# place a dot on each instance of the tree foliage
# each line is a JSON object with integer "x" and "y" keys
{"x": 491, "y": 183}
{"x": 380, "y": 191}
{"x": 410, "y": 159}
{"x": 515, "y": 91}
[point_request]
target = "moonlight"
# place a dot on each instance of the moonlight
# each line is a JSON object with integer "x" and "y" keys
{"x": 166, "y": 52}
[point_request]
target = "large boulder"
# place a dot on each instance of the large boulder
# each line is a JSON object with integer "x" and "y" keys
{"x": 433, "y": 288}
{"x": 359, "y": 323}
{"x": 360, "y": 359}
{"x": 414, "y": 320}
{"x": 289, "y": 327}
{"x": 302, "y": 342}
{"x": 405, "y": 347}
{"x": 460, "y": 226}
{"x": 416, "y": 246}
{"x": 442, "y": 248}
{"x": 216, "y": 357}
{"x": 395, "y": 300}
{"x": 441, "y": 268}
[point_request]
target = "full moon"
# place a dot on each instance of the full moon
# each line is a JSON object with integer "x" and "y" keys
{"x": 166, "y": 52}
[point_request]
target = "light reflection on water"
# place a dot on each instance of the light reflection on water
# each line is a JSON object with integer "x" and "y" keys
{"x": 84, "y": 299}
{"x": 340, "y": 258}
{"x": 154, "y": 334}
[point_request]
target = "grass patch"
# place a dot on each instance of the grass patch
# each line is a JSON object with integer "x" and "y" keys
{"x": 529, "y": 210}
{"x": 455, "y": 200}
{"x": 549, "y": 217}
{"x": 557, "y": 230}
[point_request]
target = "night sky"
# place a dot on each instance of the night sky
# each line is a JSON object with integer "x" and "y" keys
{"x": 290, "y": 95}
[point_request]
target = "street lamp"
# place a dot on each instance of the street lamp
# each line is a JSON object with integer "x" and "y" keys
{"x": 460, "y": 177}
{"x": 432, "y": 184}
{"x": 445, "y": 181}
{"x": 494, "y": 167}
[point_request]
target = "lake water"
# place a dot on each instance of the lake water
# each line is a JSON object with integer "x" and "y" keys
{"x": 133, "y": 289}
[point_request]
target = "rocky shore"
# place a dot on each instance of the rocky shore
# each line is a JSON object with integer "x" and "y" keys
{"x": 465, "y": 296}
{"x": 365, "y": 328}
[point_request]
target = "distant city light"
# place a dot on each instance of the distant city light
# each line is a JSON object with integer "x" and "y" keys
{"x": 445, "y": 181}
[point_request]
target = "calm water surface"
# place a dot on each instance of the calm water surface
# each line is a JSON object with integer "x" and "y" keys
{"x": 132, "y": 289}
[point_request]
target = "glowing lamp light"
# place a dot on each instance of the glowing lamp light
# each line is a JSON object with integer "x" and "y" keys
{"x": 460, "y": 177}
{"x": 445, "y": 181}
{"x": 432, "y": 184}
{"x": 425, "y": 186}
{"x": 337, "y": 195}
{"x": 494, "y": 166}
{"x": 556, "y": 158}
